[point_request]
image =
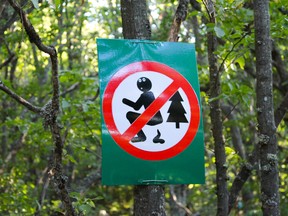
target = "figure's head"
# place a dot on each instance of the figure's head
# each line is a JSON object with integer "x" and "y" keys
{"x": 144, "y": 84}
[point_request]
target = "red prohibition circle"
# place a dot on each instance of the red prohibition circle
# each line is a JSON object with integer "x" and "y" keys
{"x": 121, "y": 140}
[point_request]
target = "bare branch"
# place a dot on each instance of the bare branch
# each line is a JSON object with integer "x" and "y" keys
{"x": 70, "y": 89}
{"x": 7, "y": 61}
{"x": 96, "y": 95}
{"x": 34, "y": 38}
{"x": 90, "y": 180}
{"x": 49, "y": 112}
{"x": 19, "y": 99}
{"x": 178, "y": 204}
{"x": 230, "y": 51}
{"x": 278, "y": 63}
{"x": 281, "y": 110}
{"x": 16, "y": 147}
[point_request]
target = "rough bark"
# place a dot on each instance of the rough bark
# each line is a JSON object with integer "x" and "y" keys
{"x": 216, "y": 117}
{"x": 148, "y": 199}
{"x": 49, "y": 112}
{"x": 249, "y": 166}
{"x": 265, "y": 111}
{"x": 178, "y": 193}
{"x": 135, "y": 21}
{"x": 179, "y": 17}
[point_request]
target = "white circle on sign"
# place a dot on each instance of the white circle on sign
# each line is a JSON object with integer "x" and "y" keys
{"x": 169, "y": 132}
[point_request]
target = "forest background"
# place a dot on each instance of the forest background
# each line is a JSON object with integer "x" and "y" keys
{"x": 50, "y": 159}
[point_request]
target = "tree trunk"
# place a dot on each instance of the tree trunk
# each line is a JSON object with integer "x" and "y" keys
{"x": 265, "y": 112}
{"x": 135, "y": 21}
{"x": 216, "y": 117}
{"x": 148, "y": 199}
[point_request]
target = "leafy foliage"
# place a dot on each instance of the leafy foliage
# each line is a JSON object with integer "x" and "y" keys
{"x": 72, "y": 26}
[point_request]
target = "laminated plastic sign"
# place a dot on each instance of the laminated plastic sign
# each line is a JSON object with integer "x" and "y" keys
{"x": 152, "y": 131}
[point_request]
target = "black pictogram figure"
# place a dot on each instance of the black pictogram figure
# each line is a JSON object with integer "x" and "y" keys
{"x": 145, "y": 99}
{"x": 176, "y": 110}
{"x": 157, "y": 138}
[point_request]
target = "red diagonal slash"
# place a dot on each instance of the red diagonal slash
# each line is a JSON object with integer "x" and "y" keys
{"x": 150, "y": 111}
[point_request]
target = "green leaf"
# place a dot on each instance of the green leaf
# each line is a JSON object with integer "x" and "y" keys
{"x": 85, "y": 208}
{"x": 90, "y": 203}
{"x": 219, "y": 32}
{"x": 35, "y": 4}
{"x": 57, "y": 3}
{"x": 241, "y": 62}
{"x": 65, "y": 104}
{"x": 229, "y": 150}
{"x": 71, "y": 159}
{"x": 75, "y": 195}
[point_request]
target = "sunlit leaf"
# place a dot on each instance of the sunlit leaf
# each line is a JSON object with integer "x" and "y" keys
{"x": 219, "y": 31}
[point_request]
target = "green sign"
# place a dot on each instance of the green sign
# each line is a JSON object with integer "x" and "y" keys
{"x": 152, "y": 131}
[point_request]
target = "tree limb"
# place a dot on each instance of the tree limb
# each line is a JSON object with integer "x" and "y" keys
{"x": 70, "y": 89}
{"x": 19, "y": 99}
{"x": 50, "y": 111}
{"x": 180, "y": 205}
{"x": 91, "y": 179}
{"x": 280, "y": 67}
{"x": 216, "y": 117}
{"x": 7, "y": 61}
{"x": 179, "y": 17}
{"x": 281, "y": 110}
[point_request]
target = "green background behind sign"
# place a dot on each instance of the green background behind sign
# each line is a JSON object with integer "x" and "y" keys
{"x": 121, "y": 168}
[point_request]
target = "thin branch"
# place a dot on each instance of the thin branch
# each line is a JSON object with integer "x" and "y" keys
{"x": 209, "y": 5}
{"x": 230, "y": 51}
{"x": 14, "y": 18}
{"x": 33, "y": 35}
{"x": 228, "y": 113}
{"x": 35, "y": 38}
{"x": 241, "y": 178}
{"x": 16, "y": 147}
{"x": 173, "y": 198}
{"x": 19, "y": 99}
{"x": 7, "y": 61}
{"x": 96, "y": 95}
{"x": 44, "y": 180}
{"x": 90, "y": 180}
{"x": 70, "y": 89}
{"x": 281, "y": 110}
{"x": 279, "y": 64}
